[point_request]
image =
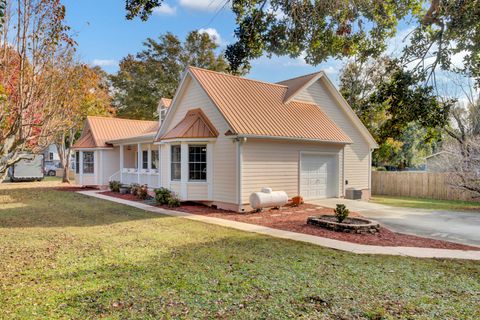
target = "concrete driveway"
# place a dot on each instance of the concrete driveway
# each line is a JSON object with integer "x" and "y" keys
{"x": 462, "y": 227}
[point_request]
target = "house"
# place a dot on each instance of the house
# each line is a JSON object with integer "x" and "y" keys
{"x": 438, "y": 162}
{"x": 223, "y": 137}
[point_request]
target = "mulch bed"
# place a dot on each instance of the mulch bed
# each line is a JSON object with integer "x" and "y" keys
{"x": 294, "y": 219}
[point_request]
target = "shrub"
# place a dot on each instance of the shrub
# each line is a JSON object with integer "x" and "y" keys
{"x": 134, "y": 188}
{"x": 114, "y": 186}
{"x": 142, "y": 192}
{"x": 174, "y": 201}
{"x": 162, "y": 195}
{"x": 341, "y": 212}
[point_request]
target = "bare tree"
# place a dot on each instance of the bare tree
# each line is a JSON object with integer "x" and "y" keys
{"x": 33, "y": 39}
{"x": 463, "y": 164}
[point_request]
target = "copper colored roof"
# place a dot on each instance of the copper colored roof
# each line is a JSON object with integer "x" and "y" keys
{"x": 257, "y": 108}
{"x": 99, "y": 130}
{"x": 195, "y": 124}
{"x": 166, "y": 102}
{"x": 295, "y": 84}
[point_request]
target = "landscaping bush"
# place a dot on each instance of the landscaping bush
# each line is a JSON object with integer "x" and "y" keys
{"x": 135, "y": 187}
{"x": 142, "y": 192}
{"x": 174, "y": 201}
{"x": 162, "y": 195}
{"x": 341, "y": 212}
{"x": 114, "y": 186}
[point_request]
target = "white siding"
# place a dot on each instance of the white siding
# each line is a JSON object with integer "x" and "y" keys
{"x": 357, "y": 164}
{"x": 110, "y": 163}
{"x": 275, "y": 164}
{"x": 223, "y": 151}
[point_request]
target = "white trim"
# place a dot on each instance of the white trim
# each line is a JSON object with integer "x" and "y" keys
{"x": 160, "y": 165}
{"x": 122, "y": 160}
{"x": 189, "y": 140}
{"x": 142, "y": 138}
{"x": 325, "y": 153}
{"x": 370, "y": 170}
{"x": 172, "y": 105}
{"x": 81, "y": 166}
{"x": 349, "y": 111}
{"x": 210, "y": 153}
{"x": 184, "y": 170}
{"x": 139, "y": 161}
{"x": 254, "y": 136}
{"x": 239, "y": 172}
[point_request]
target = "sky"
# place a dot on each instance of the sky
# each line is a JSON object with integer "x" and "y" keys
{"x": 105, "y": 36}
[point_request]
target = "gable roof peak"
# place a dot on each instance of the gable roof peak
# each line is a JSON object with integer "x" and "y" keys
{"x": 235, "y": 76}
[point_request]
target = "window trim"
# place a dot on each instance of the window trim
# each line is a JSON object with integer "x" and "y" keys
{"x": 144, "y": 159}
{"x": 77, "y": 162}
{"x": 189, "y": 163}
{"x": 93, "y": 162}
{"x": 153, "y": 166}
{"x": 172, "y": 163}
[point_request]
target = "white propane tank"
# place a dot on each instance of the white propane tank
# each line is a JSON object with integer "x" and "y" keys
{"x": 268, "y": 198}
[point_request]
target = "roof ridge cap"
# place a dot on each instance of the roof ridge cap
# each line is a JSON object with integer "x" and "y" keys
{"x": 239, "y": 77}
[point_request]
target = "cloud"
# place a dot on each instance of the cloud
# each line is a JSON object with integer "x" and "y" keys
{"x": 205, "y": 5}
{"x": 104, "y": 62}
{"x": 165, "y": 9}
{"x": 213, "y": 33}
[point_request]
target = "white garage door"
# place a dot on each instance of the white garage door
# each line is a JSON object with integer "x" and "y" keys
{"x": 318, "y": 176}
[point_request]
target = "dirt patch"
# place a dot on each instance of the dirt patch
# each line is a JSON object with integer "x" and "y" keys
{"x": 294, "y": 219}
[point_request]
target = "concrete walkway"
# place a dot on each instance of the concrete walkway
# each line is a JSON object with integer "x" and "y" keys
{"x": 324, "y": 242}
{"x": 455, "y": 226}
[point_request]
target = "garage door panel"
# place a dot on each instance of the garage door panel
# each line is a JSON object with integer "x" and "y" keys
{"x": 318, "y": 176}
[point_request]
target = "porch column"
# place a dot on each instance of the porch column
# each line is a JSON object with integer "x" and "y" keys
{"x": 121, "y": 163}
{"x": 139, "y": 161}
{"x": 81, "y": 167}
{"x": 149, "y": 158}
{"x": 160, "y": 165}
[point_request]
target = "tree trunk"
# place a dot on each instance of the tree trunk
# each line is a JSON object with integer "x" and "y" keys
{"x": 66, "y": 178}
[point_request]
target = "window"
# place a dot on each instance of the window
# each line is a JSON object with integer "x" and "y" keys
{"x": 197, "y": 162}
{"x": 88, "y": 162}
{"x": 144, "y": 159}
{"x": 176, "y": 164}
{"x": 50, "y": 156}
{"x": 77, "y": 162}
{"x": 155, "y": 159}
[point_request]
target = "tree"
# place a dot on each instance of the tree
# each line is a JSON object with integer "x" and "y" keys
{"x": 29, "y": 115}
{"x": 155, "y": 72}
{"x": 333, "y": 29}
{"x": 81, "y": 92}
{"x": 464, "y": 167}
{"x": 405, "y": 117}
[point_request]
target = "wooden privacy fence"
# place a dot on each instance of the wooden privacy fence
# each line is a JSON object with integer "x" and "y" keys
{"x": 417, "y": 184}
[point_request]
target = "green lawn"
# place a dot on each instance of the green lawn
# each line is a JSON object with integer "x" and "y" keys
{"x": 422, "y": 203}
{"x": 64, "y": 255}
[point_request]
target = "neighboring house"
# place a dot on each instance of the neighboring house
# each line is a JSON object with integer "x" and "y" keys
{"x": 51, "y": 153}
{"x": 223, "y": 137}
{"x": 438, "y": 162}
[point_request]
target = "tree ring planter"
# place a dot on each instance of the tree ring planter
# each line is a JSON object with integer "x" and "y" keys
{"x": 349, "y": 225}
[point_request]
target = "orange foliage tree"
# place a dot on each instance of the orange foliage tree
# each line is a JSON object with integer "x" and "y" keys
{"x": 34, "y": 41}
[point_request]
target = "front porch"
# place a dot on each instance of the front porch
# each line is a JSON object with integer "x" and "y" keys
{"x": 139, "y": 163}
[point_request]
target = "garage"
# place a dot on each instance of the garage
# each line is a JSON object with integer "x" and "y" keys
{"x": 318, "y": 175}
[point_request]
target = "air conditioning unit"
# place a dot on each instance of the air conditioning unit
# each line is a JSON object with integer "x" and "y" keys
{"x": 353, "y": 194}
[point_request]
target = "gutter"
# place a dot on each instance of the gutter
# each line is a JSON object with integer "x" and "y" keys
{"x": 254, "y": 136}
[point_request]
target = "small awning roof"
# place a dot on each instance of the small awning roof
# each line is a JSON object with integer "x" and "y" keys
{"x": 195, "y": 124}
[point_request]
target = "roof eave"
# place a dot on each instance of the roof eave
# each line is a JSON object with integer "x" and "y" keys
{"x": 254, "y": 136}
